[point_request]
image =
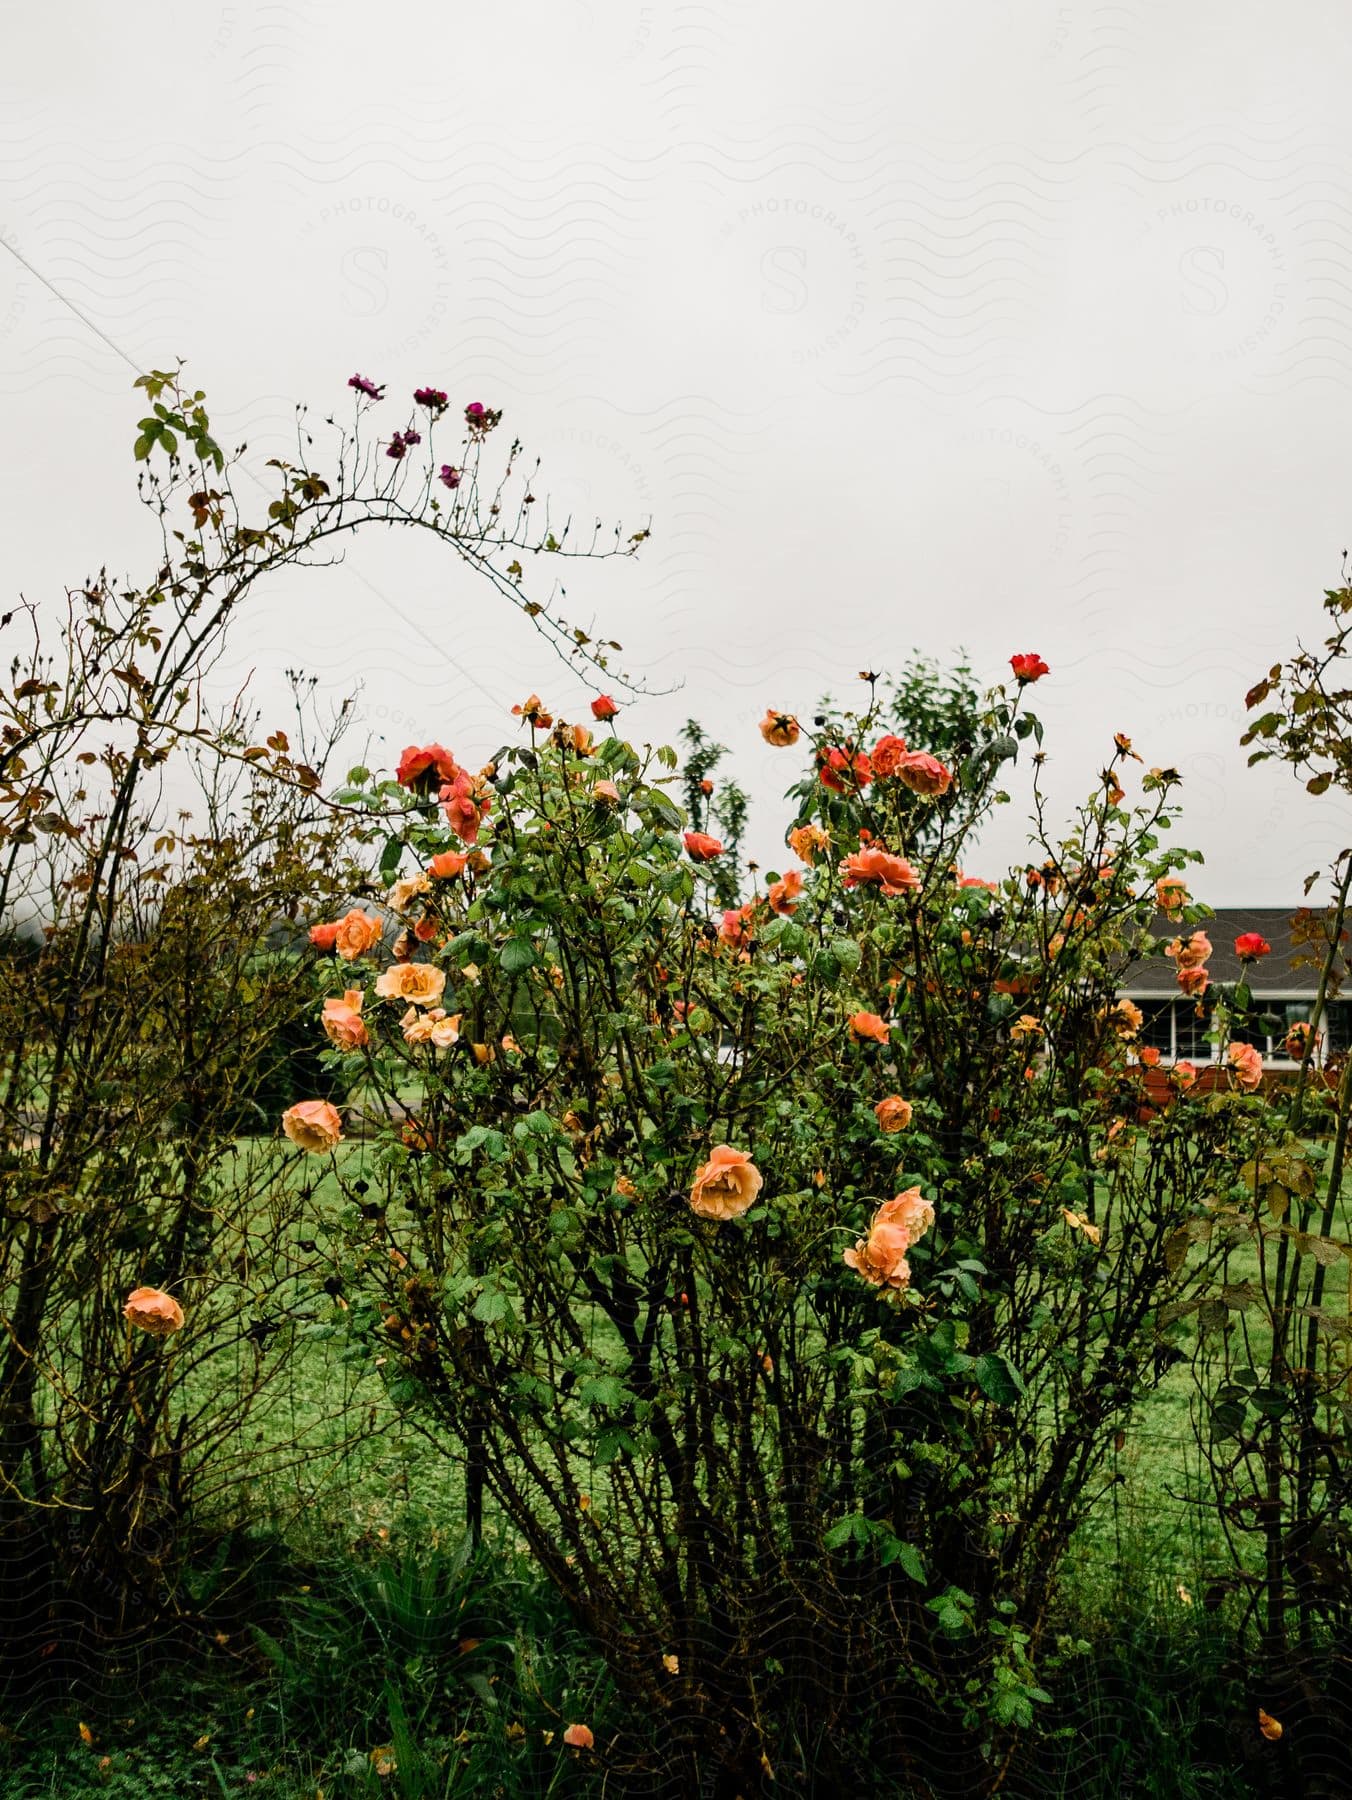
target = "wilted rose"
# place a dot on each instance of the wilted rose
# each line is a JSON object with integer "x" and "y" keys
{"x": 893, "y": 1113}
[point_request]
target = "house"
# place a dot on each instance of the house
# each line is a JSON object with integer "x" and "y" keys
{"x": 1283, "y": 985}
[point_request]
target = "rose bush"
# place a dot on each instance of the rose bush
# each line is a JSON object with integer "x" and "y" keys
{"x": 786, "y": 1380}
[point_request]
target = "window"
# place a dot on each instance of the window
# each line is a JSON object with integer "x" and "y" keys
{"x": 1192, "y": 1021}
{"x": 1157, "y": 1027}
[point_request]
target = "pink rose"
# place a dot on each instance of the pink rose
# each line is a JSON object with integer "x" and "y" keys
{"x": 923, "y": 774}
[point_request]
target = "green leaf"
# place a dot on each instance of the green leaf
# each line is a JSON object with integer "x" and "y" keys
{"x": 390, "y": 858}
{"x": 491, "y": 1306}
{"x": 603, "y": 1390}
{"x": 847, "y": 953}
{"x": 517, "y": 955}
{"x": 997, "y": 1378}
{"x": 895, "y": 1550}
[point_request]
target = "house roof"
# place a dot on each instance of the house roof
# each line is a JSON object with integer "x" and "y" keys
{"x": 1291, "y": 970}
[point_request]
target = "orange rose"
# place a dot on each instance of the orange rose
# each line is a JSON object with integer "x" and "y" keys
{"x": 887, "y": 754}
{"x": 808, "y": 842}
{"x": 779, "y": 729}
{"x": 1194, "y": 982}
{"x": 923, "y": 774}
{"x": 893, "y": 1113}
{"x": 910, "y": 1210}
{"x": 1246, "y": 1064}
{"x": 1025, "y": 1027}
{"x": 726, "y": 1186}
{"x": 357, "y": 933}
{"x": 324, "y": 937}
{"x": 1183, "y": 1074}
{"x": 343, "y": 1023}
{"x": 700, "y": 847}
{"x": 736, "y": 928}
{"x": 448, "y": 865}
{"x": 783, "y": 894}
{"x": 893, "y": 874}
{"x": 466, "y": 802}
{"x": 1171, "y": 895}
{"x": 420, "y": 982}
{"x": 836, "y": 764}
{"x": 313, "y": 1125}
{"x": 1148, "y": 1056}
{"x": 866, "y": 1026}
{"x": 1126, "y": 1018}
{"x": 153, "y": 1311}
{"x": 579, "y": 1737}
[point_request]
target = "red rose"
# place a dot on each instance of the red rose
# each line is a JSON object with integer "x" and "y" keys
{"x": 1028, "y": 667}
{"x": 1250, "y": 945}
{"x": 603, "y": 707}
{"x": 836, "y": 764}
{"x": 702, "y": 847}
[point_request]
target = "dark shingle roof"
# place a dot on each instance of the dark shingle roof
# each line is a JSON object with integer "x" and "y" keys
{"x": 1291, "y": 969}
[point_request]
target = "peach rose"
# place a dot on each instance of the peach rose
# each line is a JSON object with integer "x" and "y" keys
{"x": 910, "y": 1210}
{"x": 605, "y": 793}
{"x": 1190, "y": 952}
{"x": 532, "y": 710}
{"x": 406, "y": 890}
{"x": 313, "y": 1125}
{"x": 783, "y": 894}
{"x": 343, "y": 1023}
{"x": 893, "y": 874}
{"x": 1025, "y": 1027}
{"x": 880, "y": 1258}
{"x": 1246, "y": 1064}
{"x": 867, "y": 1026}
{"x": 779, "y": 729}
{"x": 1183, "y": 1074}
{"x": 893, "y": 1113}
{"x": 434, "y": 1027}
{"x": 153, "y": 1311}
{"x": 422, "y": 983}
{"x": 809, "y": 841}
{"x": 466, "y": 802}
{"x": 579, "y": 1737}
{"x": 727, "y": 1185}
{"x": 357, "y": 933}
{"x": 924, "y": 774}
{"x": 1194, "y": 982}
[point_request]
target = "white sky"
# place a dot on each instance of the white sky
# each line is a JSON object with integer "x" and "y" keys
{"x": 1011, "y": 327}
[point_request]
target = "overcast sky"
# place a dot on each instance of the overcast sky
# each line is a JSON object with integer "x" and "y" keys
{"x": 1015, "y": 327}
